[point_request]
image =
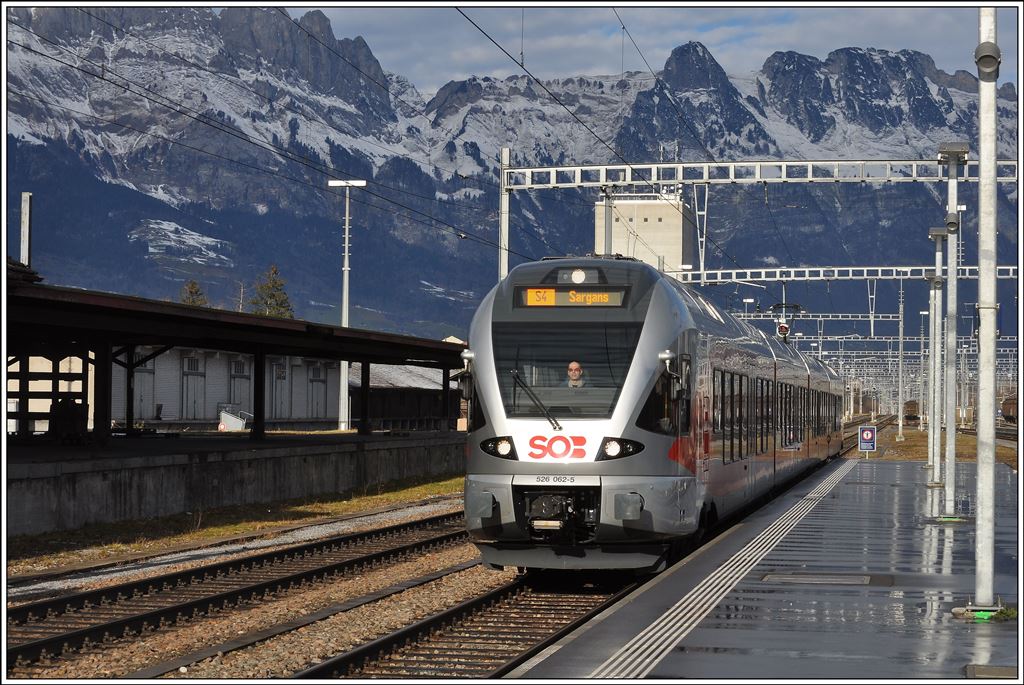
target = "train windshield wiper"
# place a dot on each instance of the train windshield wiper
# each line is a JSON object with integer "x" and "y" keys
{"x": 536, "y": 400}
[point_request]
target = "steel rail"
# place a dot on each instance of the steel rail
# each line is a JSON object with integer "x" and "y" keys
{"x": 52, "y": 645}
{"x": 462, "y": 663}
{"x": 264, "y": 634}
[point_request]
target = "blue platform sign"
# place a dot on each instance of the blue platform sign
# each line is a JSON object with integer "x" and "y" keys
{"x": 866, "y": 438}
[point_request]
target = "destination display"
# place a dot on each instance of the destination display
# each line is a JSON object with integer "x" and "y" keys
{"x": 571, "y": 297}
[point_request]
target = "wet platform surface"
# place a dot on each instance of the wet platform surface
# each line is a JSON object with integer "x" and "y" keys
{"x": 846, "y": 575}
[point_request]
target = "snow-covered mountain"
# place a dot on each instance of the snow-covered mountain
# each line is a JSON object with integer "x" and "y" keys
{"x": 169, "y": 143}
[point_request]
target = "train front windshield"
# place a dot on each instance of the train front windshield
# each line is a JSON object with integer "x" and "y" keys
{"x": 541, "y": 354}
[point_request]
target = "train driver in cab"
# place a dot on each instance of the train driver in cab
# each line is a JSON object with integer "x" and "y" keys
{"x": 575, "y": 373}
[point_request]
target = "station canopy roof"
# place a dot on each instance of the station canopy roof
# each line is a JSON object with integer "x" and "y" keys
{"x": 41, "y": 317}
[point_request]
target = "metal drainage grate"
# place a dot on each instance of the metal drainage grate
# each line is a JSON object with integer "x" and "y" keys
{"x": 817, "y": 578}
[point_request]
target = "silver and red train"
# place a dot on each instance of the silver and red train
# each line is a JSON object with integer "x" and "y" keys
{"x": 685, "y": 415}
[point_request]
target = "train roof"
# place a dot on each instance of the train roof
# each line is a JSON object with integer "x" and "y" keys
{"x": 705, "y": 314}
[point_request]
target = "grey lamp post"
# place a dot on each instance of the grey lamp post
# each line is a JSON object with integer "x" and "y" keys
{"x": 343, "y": 364}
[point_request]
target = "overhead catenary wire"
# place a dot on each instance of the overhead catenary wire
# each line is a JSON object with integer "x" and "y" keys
{"x": 664, "y": 86}
{"x": 386, "y": 88}
{"x": 202, "y": 120}
{"x": 201, "y": 117}
{"x": 280, "y": 103}
{"x": 444, "y": 227}
{"x": 530, "y": 231}
{"x": 581, "y": 122}
{"x": 682, "y": 119}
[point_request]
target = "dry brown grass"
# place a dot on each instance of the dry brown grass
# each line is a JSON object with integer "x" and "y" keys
{"x": 36, "y": 553}
{"x": 915, "y": 447}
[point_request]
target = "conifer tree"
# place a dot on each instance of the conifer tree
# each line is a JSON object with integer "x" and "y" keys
{"x": 192, "y": 294}
{"x": 270, "y": 298}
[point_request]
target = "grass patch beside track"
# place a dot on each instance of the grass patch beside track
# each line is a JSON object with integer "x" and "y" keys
{"x": 104, "y": 541}
{"x": 915, "y": 447}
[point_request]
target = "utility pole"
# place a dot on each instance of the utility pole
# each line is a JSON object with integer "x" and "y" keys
{"x": 934, "y": 383}
{"x": 987, "y": 57}
{"x": 26, "y": 229}
{"x": 899, "y": 400}
{"x": 608, "y": 206}
{"x": 343, "y": 405}
{"x": 922, "y": 377}
{"x": 952, "y": 155}
{"x": 504, "y": 196}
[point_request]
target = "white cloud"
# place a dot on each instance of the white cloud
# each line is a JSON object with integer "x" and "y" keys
{"x": 432, "y": 45}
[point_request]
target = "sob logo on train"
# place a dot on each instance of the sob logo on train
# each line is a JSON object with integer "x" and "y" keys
{"x": 557, "y": 446}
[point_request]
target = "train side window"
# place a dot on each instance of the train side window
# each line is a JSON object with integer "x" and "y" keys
{"x": 661, "y": 410}
{"x": 738, "y": 426}
{"x": 755, "y": 415}
{"x": 685, "y": 393}
{"x": 803, "y": 415}
{"x": 799, "y": 414}
{"x": 474, "y": 408}
{"x": 728, "y": 416}
{"x": 812, "y": 422}
{"x": 744, "y": 417}
{"x": 787, "y": 418}
{"x": 760, "y": 415}
{"x": 716, "y": 402}
{"x": 766, "y": 406}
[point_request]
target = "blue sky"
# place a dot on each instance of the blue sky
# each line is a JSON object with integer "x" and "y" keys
{"x": 434, "y": 44}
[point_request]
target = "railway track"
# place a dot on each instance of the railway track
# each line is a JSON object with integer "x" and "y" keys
{"x": 850, "y": 439}
{"x": 1001, "y": 433}
{"x": 55, "y": 626}
{"x": 484, "y": 637}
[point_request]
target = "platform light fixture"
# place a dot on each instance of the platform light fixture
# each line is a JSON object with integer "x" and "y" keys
{"x": 343, "y": 422}
{"x": 987, "y": 56}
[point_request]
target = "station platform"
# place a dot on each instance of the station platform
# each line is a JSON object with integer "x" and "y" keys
{"x": 845, "y": 575}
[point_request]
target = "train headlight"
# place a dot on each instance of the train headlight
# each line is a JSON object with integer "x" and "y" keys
{"x": 499, "y": 447}
{"x": 616, "y": 448}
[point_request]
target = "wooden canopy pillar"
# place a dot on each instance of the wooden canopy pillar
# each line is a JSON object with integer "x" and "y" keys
{"x": 102, "y": 368}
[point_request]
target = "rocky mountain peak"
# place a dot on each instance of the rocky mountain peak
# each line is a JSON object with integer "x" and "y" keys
{"x": 453, "y": 96}
{"x": 692, "y": 67}
{"x": 317, "y": 23}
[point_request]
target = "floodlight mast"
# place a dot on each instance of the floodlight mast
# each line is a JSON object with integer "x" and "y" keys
{"x": 343, "y": 404}
{"x": 987, "y": 58}
{"x": 951, "y": 155}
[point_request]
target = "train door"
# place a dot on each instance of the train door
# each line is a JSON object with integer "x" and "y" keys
{"x": 734, "y": 467}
